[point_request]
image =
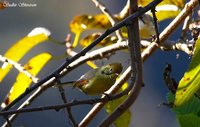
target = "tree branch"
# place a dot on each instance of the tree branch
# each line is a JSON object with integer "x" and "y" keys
{"x": 145, "y": 54}
{"x": 170, "y": 28}
{"x": 52, "y": 77}
{"x": 96, "y": 54}
{"x": 180, "y": 45}
{"x": 68, "y": 109}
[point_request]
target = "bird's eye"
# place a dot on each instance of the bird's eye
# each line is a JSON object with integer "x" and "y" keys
{"x": 111, "y": 69}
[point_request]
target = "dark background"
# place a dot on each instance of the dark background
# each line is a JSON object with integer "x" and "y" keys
{"x": 16, "y": 23}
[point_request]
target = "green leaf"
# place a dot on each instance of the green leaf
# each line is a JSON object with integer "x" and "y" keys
{"x": 191, "y": 106}
{"x": 189, "y": 120}
{"x": 190, "y": 83}
{"x": 125, "y": 119}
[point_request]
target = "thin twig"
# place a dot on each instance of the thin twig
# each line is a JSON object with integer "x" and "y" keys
{"x": 124, "y": 13}
{"x": 8, "y": 121}
{"x": 28, "y": 101}
{"x": 96, "y": 54}
{"x": 109, "y": 16}
{"x": 18, "y": 67}
{"x": 51, "y": 77}
{"x": 178, "y": 45}
{"x": 155, "y": 24}
{"x": 71, "y": 52}
{"x": 74, "y": 103}
{"x": 61, "y": 90}
{"x": 171, "y": 28}
{"x": 185, "y": 27}
{"x": 168, "y": 45}
{"x": 145, "y": 54}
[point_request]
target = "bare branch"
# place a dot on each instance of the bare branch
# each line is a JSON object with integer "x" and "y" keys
{"x": 96, "y": 54}
{"x": 155, "y": 24}
{"x": 186, "y": 26}
{"x": 171, "y": 27}
{"x": 178, "y": 45}
{"x": 124, "y": 11}
{"x": 52, "y": 77}
{"x": 168, "y": 45}
{"x": 121, "y": 81}
{"x": 28, "y": 101}
{"x": 68, "y": 109}
{"x": 145, "y": 54}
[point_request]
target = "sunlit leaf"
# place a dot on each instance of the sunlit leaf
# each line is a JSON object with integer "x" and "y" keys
{"x": 189, "y": 120}
{"x": 33, "y": 66}
{"x": 178, "y": 3}
{"x": 190, "y": 83}
{"x": 91, "y": 64}
{"x": 20, "y": 48}
{"x": 100, "y": 21}
{"x": 166, "y": 9}
{"x": 125, "y": 119}
{"x": 83, "y": 22}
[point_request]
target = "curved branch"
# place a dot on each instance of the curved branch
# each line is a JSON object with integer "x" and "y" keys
{"x": 136, "y": 66}
{"x": 163, "y": 36}
{"x": 52, "y": 77}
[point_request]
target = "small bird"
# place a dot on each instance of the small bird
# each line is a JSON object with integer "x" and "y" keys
{"x": 146, "y": 26}
{"x": 99, "y": 80}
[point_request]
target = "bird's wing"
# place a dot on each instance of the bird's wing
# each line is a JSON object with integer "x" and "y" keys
{"x": 84, "y": 79}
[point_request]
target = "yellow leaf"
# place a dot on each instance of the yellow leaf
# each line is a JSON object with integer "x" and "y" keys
{"x": 179, "y": 3}
{"x": 144, "y": 2}
{"x": 91, "y": 64}
{"x": 20, "y": 48}
{"x": 166, "y": 9}
{"x": 90, "y": 38}
{"x": 83, "y": 22}
{"x": 22, "y": 81}
{"x": 125, "y": 119}
{"x": 100, "y": 21}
